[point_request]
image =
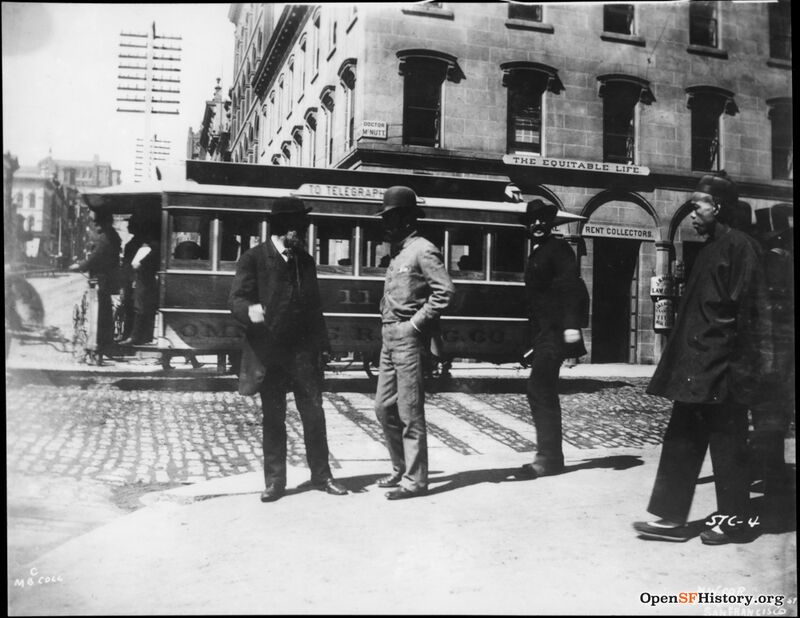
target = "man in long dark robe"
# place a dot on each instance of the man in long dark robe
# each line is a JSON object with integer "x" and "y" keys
{"x": 712, "y": 366}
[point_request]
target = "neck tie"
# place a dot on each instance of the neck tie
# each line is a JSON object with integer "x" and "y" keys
{"x": 291, "y": 262}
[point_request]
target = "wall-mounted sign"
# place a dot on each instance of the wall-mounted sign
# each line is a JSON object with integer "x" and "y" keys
{"x": 605, "y": 230}
{"x": 664, "y": 315}
{"x": 374, "y": 128}
{"x": 574, "y": 164}
{"x": 661, "y": 285}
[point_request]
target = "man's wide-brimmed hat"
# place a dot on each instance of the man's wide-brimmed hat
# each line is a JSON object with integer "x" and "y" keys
{"x": 288, "y": 206}
{"x": 539, "y": 209}
{"x": 400, "y": 197}
{"x": 720, "y": 186}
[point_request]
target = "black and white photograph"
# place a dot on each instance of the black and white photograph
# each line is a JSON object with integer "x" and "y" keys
{"x": 399, "y": 308}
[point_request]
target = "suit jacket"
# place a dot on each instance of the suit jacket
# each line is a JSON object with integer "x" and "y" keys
{"x": 720, "y": 349}
{"x": 554, "y": 295}
{"x": 263, "y": 277}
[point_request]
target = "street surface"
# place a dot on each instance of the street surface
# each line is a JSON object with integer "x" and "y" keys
{"x": 88, "y": 450}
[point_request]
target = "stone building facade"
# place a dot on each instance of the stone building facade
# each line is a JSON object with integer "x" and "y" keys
{"x": 611, "y": 111}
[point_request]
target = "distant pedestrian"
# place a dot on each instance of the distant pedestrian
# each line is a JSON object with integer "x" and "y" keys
{"x": 145, "y": 264}
{"x": 275, "y": 295}
{"x": 712, "y": 368}
{"x": 102, "y": 264}
{"x": 555, "y": 299}
{"x": 416, "y": 291}
{"x": 127, "y": 278}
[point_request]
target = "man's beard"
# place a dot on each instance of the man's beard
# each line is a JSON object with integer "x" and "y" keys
{"x": 294, "y": 241}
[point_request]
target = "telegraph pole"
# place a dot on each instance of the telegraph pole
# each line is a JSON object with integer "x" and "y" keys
{"x": 149, "y": 83}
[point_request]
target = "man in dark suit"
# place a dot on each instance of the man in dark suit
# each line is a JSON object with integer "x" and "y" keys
{"x": 712, "y": 368}
{"x": 275, "y": 295}
{"x": 554, "y": 295}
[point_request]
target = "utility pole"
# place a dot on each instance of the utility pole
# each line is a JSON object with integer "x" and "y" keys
{"x": 149, "y": 83}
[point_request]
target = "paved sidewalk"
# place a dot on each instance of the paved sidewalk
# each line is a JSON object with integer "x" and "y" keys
{"x": 481, "y": 543}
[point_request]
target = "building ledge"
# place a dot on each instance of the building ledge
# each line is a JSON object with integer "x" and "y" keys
{"x": 704, "y": 50}
{"x": 527, "y": 24}
{"x": 428, "y": 11}
{"x": 618, "y": 37}
{"x": 779, "y": 63}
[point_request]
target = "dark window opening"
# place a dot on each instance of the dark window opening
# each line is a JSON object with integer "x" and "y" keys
{"x": 375, "y": 249}
{"x": 528, "y": 12}
{"x": 705, "y": 135}
{"x": 703, "y": 23}
{"x": 508, "y": 255}
{"x": 422, "y": 100}
{"x": 618, "y": 18}
{"x": 467, "y": 252}
{"x": 619, "y": 123}
{"x": 782, "y": 146}
{"x": 780, "y": 30}
{"x": 333, "y": 250}
{"x": 525, "y": 112}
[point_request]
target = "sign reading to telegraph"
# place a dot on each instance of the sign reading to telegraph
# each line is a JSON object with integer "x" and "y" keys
{"x": 574, "y": 164}
{"x": 350, "y": 192}
{"x": 605, "y": 230}
{"x": 376, "y": 129}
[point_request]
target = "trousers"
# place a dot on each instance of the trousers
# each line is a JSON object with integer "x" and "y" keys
{"x": 546, "y": 407}
{"x": 300, "y": 372}
{"x": 694, "y": 428}
{"x": 400, "y": 403}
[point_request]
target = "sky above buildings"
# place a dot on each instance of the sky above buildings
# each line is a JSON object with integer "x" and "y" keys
{"x": 60, "y": 77}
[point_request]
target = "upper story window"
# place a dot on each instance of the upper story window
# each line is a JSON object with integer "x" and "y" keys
{"x": 703, "y": 23}
{"x": 618, "y": 18}
{"x": 332, "y": 35}
{"x": 327, "y": 101}
{"x": 780, "y": 30}
{"x": 527, "y": 83}
{"x": 301, "y": 62}
{"x": 297, "y": 138}
{"x": 425, "y": 72}
{"x": 780, "y": 115}
{"x": 620, "y": 95}
{"x": 315, "y": 45}
{"x": 311, "y": 125}
{"x": 525, "y": 10}
{"x": 708, "y": 104}
{"x": 347, "y": 74}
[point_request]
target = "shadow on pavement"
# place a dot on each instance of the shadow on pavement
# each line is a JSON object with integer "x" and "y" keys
{"x": 502, "y": 475}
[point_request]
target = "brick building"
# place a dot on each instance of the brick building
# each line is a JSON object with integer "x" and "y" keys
{"x": 611, "y": 111}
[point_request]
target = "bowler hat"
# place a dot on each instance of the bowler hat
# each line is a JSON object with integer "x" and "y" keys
{"x": 285, "y": 206}
{"x": 720, "y": 186}
{"x": 539, "y": 209}
{"x": 400, "y": 197}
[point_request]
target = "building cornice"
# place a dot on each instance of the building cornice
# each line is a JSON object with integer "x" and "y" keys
{"x": 282, "y": 37}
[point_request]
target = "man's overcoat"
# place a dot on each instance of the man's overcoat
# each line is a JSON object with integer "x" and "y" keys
{"x": 720, "y": 348}
{"x": 262, "y": 276}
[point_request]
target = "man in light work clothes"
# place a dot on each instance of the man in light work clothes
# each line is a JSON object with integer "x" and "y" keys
{"x": 712, "y": 368}
{"x": 416, "y": 292}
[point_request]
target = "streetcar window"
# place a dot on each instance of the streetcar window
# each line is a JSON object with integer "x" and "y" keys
{"x": 333, "y": 245}
{"x": 189, "y": 241}
{"x": 238, "y": 232}
{"x": 508, "y": 255}
{"x": 375, "y": 249}
{"x": 433, "y": 232}
{"x": 467, "y": 252}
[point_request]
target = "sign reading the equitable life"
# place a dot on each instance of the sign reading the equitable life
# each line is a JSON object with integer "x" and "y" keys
{"x": 573, "y": 164}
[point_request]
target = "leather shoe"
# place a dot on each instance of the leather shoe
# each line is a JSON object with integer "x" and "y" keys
{"x": 401, "y": 493}
{"x": 677, "y": 534}
{"x": 390, "y": 480}
{"x": 332, "y": 487}
{"x": 535, "y": 470}
{"x": 271, "y": 493}
{"x": 720, "y": 537}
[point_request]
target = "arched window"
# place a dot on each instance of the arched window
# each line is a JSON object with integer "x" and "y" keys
{"x": 620, "y": 94}
{"x": 347, "y": 75}
{"x": 425, "y": 72}
{"x": 780, "y": 115}
{"x": 527, "y": 82}
{"x": 327, "y": 103}
{"x": 707, "y": 104}
{"x": 311, "y": 125}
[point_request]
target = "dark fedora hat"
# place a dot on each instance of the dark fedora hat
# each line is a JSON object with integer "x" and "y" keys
{"x": 287, "y": 206}
{"x": 400, "y": 197}
{"x": 719, "y": 185}
{"x": 539, "y": 209}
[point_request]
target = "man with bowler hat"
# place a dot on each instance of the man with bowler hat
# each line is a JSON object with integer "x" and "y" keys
{"x": 554, "y": 295}
{"x": 712, "y": 368}
{"x": 416, "y": 292}
{"x": 275, "y": 295}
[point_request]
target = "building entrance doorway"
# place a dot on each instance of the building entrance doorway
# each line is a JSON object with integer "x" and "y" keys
{"x": 615, "y": 300}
